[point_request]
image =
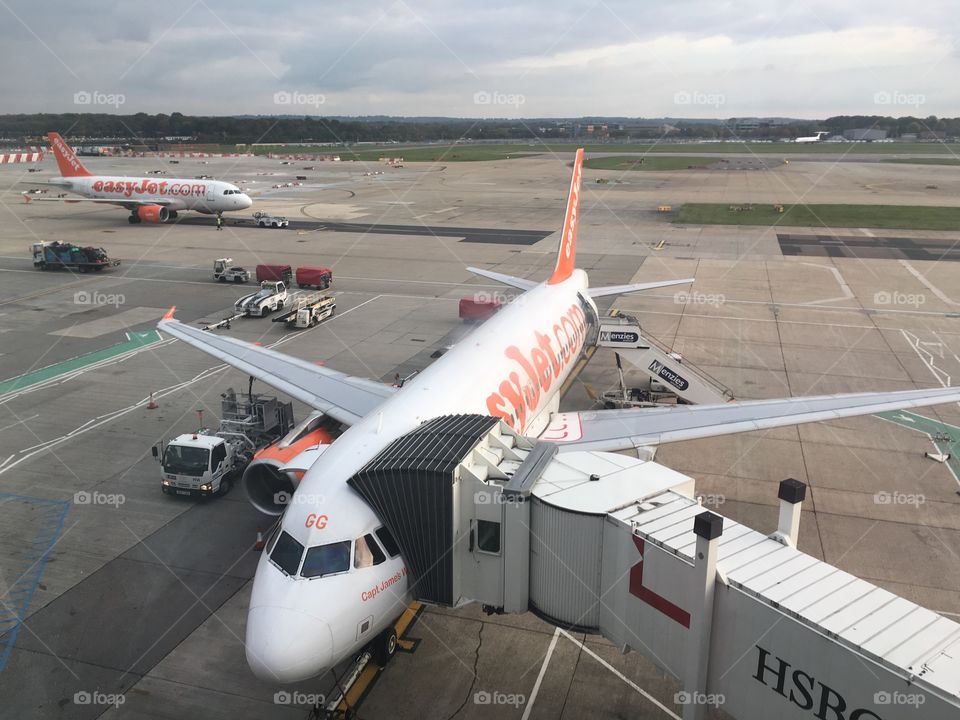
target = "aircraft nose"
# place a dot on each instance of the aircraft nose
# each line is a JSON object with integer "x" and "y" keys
{"x": 287, "y": 646}
{"x": 245, "y": 201}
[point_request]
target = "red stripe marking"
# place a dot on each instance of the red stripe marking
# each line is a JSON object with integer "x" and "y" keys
{"x": 657, "y": 602}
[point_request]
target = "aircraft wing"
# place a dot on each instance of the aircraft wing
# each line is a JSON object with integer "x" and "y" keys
{"x": 343, "y": 397}
{"x": 631, "y": 428}
{"x": 28, "y": 198}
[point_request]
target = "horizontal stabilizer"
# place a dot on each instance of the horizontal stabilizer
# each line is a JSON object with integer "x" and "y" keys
{"x": 519, "y": 283}
{"x": 636, "y": 287}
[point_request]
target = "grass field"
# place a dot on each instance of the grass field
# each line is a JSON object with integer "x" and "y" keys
{"x": 450, "y": 152}
{"x": 650, "y": 162}
{"x": 926, "y": 161}
{"x": 440, "y": 153}
{"x": 898, "y": 217}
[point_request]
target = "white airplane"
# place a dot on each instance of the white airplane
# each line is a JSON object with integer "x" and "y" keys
{"x": 812, "y": 138}
{"x": 149, "y": 199}
{"x": 332, "y": 578}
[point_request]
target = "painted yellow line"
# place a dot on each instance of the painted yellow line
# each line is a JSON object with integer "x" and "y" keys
{"x": 356, "y": 692}
{"x": 409, "y": 615}
{"x": 660, "y": 245}
{"x": 359, "y": 687}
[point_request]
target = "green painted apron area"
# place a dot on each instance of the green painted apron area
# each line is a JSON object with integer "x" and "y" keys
{"x": 945, "y": 437}
{"x": 135, "y": 340}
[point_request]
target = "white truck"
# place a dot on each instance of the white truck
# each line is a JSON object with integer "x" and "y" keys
{"x": 205, "y": 462}
{"x": 271, "y": 296}
{"x": 272, "y": 221}
{"x": 223, "y": 271}
{"x": 309, "y": 310}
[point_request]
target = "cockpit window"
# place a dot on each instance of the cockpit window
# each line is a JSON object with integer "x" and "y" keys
{"x": 389, "y": 544}
{"x": 287, "y": 553}
{"x": 327, "y": 559}
{"x": 367, "y": 553}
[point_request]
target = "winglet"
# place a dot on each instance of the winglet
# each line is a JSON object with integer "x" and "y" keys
{"x": 566, "y": 259}
{"x": 170, "y": 312}
{"x": 69, "y": 164}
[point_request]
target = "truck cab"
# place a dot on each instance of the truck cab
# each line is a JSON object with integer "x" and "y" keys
{"x": 224, "y": 270}
{"x": 196, "y": 464}
{"x": 270, "y": 297}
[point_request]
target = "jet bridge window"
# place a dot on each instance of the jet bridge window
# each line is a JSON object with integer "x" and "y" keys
{"x": 367, "y": 553}
{"x": 488, "y": 536}
{"x": 287, "y": 553}
{"x": 327, "y": 559}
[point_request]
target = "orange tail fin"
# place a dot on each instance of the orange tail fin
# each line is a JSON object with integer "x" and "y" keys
{"x": 566, "y": 260}
{"x": 69, "y": 164}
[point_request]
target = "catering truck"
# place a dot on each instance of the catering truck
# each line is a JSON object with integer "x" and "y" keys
{"x": 205, "y": 462}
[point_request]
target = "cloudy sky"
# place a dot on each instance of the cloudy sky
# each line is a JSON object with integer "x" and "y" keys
{"x": 685, "y": 58}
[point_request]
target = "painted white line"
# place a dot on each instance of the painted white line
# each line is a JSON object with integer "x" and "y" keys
{"x": 19, "y": 422}
{"x": 930, "y": 286}
{"x": 70, "y": 375}
{"x": 782, "y": 322}
{"x": 867, "y": 232}
{"x": 620, "y": 675}
{"x": 98, "y": 421}
{"x": 928, "y": 358}
{"x": 844, "y": 288}
{"x": 543, "y": 671}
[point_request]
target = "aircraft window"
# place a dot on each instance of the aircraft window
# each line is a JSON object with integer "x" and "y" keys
{"x": 367, "y": 553}
{"x": 389, "y": 544}
{"x": 287, "y": 553}
{"x": 271, "y": 537}
{"x": 488, "y": 536}
{"x": 327, "y": 559}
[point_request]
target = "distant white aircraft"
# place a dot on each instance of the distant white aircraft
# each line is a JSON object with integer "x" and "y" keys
{"x": 812, "y": 138}
{"x": 149, "y": 199}
{"x": 332, "y": 579}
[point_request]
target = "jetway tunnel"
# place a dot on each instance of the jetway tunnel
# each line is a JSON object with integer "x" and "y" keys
{"x": 615, "y": 545}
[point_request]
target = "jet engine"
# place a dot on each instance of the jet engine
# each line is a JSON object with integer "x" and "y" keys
{"x": 275, "y": 471}
{"x": 153, "y": 213}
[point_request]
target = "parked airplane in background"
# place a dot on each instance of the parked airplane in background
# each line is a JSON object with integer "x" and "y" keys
{"x": 149, "y": 199}
{"x": 812, "y": 138}
{"x": 332, "y": 578}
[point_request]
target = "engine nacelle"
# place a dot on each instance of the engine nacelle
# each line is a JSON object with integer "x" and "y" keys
{"x": 153, "y": 213}
{"x": 275, "y": 471}
{"x": 270, "y": 483}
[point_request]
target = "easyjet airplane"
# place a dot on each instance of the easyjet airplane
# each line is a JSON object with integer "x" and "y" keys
{"x": 332, "y": 579}
{"x": 151, "y": 200}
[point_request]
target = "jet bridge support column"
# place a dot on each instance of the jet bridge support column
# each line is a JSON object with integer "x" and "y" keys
{"x": 707, "y": 527}
{"x": 791, "y": 493}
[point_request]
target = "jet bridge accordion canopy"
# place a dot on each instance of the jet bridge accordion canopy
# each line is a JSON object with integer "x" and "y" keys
{"x": 410, "y": 485}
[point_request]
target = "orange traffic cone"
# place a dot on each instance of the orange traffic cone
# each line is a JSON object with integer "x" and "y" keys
{"x": 152, "y": 405}
{"x": 259, "y": 544}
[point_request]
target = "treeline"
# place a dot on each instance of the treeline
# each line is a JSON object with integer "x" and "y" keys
{"x": 142, "y": 128}
{"x": 148, "y": 129}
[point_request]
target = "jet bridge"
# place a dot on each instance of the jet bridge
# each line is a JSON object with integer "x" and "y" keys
{"x": 612, "y": 544}
{"x": 667, "y": 371}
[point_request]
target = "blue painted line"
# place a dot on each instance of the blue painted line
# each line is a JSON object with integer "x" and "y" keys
{"x": 46, "y": 538}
